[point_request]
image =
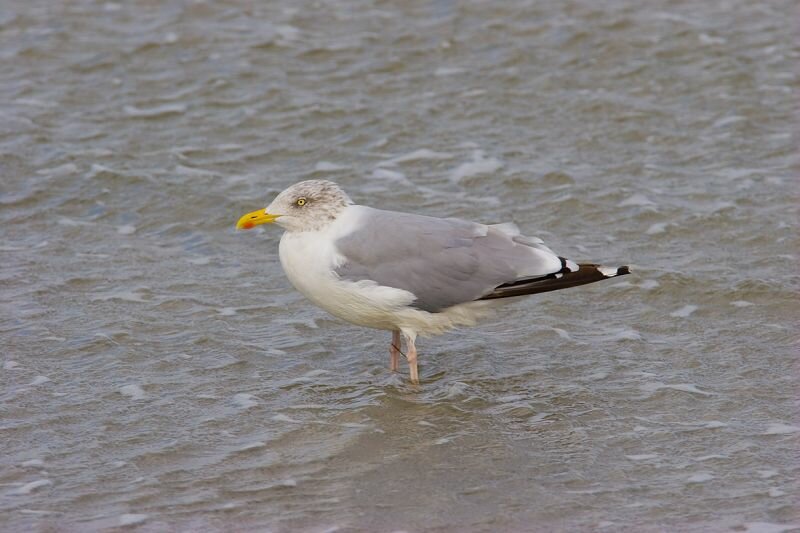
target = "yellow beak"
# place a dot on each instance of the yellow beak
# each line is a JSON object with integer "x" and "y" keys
{"x": 251, "y": 220}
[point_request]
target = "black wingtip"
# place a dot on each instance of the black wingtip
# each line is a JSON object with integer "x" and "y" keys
{"x": 621, "y": 271}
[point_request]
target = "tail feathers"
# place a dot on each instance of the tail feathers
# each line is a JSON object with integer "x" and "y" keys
{"x": 586, "y": 273}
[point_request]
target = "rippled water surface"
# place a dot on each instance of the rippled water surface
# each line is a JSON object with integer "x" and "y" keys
{"x": 158, "y": 371}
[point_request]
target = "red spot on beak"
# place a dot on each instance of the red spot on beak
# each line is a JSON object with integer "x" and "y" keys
{"x": 248, "y": 225}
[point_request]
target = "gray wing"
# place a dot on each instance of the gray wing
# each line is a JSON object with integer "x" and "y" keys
{"x": 443, "y": 262}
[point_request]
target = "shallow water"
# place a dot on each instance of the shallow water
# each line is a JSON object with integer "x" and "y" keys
{"x": 160, "y": 373}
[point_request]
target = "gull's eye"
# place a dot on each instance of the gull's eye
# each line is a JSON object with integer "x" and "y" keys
{"x": 301, "y": 201}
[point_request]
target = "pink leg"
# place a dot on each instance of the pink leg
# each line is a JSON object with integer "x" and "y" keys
{"x": 411, "y": 356}
{"x": 394, "y": 352}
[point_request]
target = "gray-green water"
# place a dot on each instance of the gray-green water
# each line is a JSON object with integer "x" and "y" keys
{"x": 159, "y": 371}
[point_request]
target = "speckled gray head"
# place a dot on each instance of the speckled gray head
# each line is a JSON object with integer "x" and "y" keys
{"x": 305, "y": 206}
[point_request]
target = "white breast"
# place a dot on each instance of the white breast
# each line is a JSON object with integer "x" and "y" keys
{"x": 309, "y": 259}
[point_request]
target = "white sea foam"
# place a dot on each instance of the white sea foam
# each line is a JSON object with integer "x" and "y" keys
{"x": 193, "y": 171}
{"x": 133, "y": 391}
{"x": 157, "y": 111}
{"x": 284, "y": 418}
{"x": 327, "y": 166}
{"x": 33, "y": 486}
{"x": 71, "y": 222}
{"x": 642, "y": 457}
{"x": 126, "y": 229}
{"x": 244, "y": 400}
{"x": 700, "y": 477}
{"x": 131, "y": 519}
{"x": 649, "y": 284}
{"x": 769, "y": 527}
{"x": 711, "y": 424}
{"x": 226, "y": 311}
{"x": 447, "y": 71}
{"x": 60, "y": 171}
{"x": 252, "y": 446}
{"x": 479, "y": 165}
{"x": 32, "y": 463}
{"x": 417, "y": 155}
{"x": 655, "y": 229}
{"x": 38, "y": 380}
{"x": 10, "y": 365}
{"x": 390, "y": 175}
{"x": 710, "y": 457}
{"x": 727, "y": 121}
{"x": 705, "y": 38}
{"x": 562, "y": 333}
{"x": 125, "y": 295}
{"x": 682, "y": 387}
{"x": 742, "y": 303}
{"x": 624, "y": 335}
{"x": 781, "y": 429}
{"x": 636, "y": 200}
{"x": 684, "y": 311}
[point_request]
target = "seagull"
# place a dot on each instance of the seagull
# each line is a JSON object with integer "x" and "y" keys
{"x": 406, "y": 273}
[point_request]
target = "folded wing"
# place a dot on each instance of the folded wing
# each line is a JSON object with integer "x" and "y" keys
{"x": 443, "y": 262}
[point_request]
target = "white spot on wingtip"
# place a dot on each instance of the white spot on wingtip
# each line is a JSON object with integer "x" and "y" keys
{"x": 607, "y": 271}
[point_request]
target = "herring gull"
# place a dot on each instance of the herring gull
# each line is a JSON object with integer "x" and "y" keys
{"x": 405, "y": 273}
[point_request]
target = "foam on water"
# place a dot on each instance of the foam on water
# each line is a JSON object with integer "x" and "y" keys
{"x": 252, "y": 446}
{"x": 700, "y": 477}
{"x": 657, "y": 228}
{"x": 285, "y": 418}
{"x": 60, "y": 171}
{"x": 655, "y": 386}
{"x": 642, "y": 457}
{"x": 133, "y": 391}
{"x": 684, "y": 312}
{"x": 423, "y": 154}
{"x": 327, "y": 166}
{"x": 131, "y": 519}
{"x": 155, "y": 111}
{"x": 636, "y": 200}
{"x": 126, "y": 229}
{"x": 769, "y": 527}
{"x": 31, "y": 487}
{"x": 244, "y": 400}
{"x": 781, "y": 429}
{"x": 479, "y": 164}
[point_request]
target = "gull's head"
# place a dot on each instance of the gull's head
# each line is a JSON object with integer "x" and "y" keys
{"x": 306, "y": 206}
